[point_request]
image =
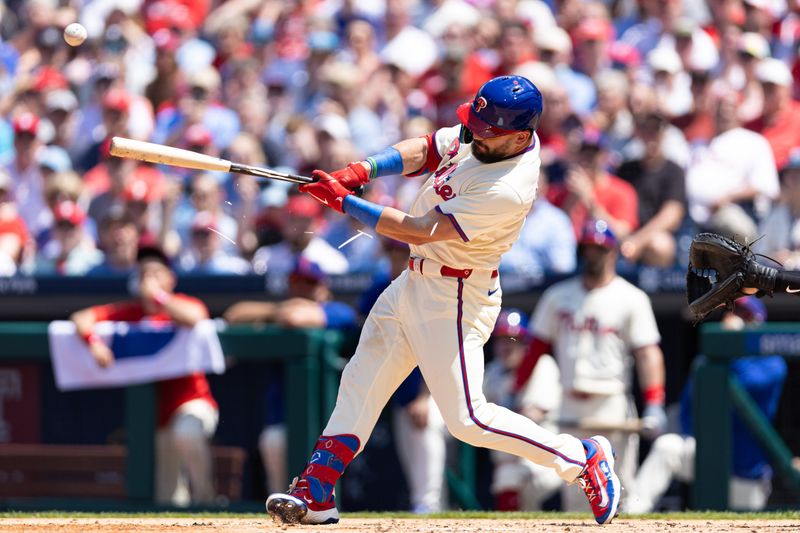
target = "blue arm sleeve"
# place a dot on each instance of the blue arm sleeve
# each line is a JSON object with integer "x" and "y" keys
{"x": 362, "y": 210}
{"x": 385, "y": 163}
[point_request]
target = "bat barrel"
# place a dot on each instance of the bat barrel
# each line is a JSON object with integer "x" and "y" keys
{"x": 166, "y": 155}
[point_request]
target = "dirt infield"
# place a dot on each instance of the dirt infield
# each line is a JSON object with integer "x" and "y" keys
{"x": 390, "y": 525}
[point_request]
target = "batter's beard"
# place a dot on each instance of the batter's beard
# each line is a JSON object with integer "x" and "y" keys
{"x": 487, "y": 157}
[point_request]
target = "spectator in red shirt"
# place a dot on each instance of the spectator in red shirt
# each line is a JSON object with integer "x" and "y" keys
{"x": 780, "y": 114}
{"x": 187, "y": 412}
{"x": 590, "y": 192}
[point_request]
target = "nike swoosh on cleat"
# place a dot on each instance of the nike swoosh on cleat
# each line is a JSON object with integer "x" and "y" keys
{"x": 791, "y": 290}
{"x": 494, "y": 291}
{"x": 603, "y": 492}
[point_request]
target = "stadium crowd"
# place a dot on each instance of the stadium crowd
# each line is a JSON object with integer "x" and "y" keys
{"x": 661, "y": 117}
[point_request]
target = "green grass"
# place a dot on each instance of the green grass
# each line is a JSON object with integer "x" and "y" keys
{"x": 690, "y": 515}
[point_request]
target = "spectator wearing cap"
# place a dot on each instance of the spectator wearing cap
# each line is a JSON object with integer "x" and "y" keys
{"x": 198, "y": 104}
{"x": 118, "y": 240}
{"x": 141, "y": 197}
{"x": 204, "y": 253}
{"x": 206, "y": 195}
{"x": 731, "y": 183}
{"x": 26, "y": 176}
{"x": 555, "y": 48}
{"x": 309, "y": 305}
{"x": 751, "y": 48}
{"x": 301, "y": 228}
{"x": 672, "y": 85}
{"x": 661, "y": 188}
{"x": 105, "y": 182}
{"x": 697, "y": 124}
{"x": 780, "y": 115}
{"x": 62, "y": 112}
{"x": 52, "y": 159}
{"x": 115, "y": 107}
{"x": 187, "y": 413}
{"x": 589, "y": 191}
{"x": 695, "y": 47}
{"x": 61, "y": 187}
{"x": 13, "y": 232}
{"x": 537, "y": 253}
{"x": 70, "y": 251}
{"x": 592, "y": 38}
{"x": 165, "y": 82}
{"x": 781, "y": 227}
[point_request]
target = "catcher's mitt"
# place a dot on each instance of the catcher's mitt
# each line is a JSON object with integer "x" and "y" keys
{"x": 719, "y": 269}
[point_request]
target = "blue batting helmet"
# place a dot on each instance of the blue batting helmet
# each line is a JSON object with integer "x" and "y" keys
{"x": 511, "y": 323}
{"x": 597, "y": 232}
{"x": 502, "y": 106}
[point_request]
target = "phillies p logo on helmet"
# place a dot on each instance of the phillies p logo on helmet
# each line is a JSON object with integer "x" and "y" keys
{"x": 480, "y": 103}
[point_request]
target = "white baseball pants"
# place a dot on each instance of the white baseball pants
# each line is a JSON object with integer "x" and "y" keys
{"x": 422, "y": 453}
{"x": 183, "y": 450}
{"x": 672, "y": 456}
{"x": 441, "y": 325}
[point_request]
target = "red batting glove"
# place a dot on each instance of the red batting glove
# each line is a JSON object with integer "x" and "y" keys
{"x": 327, "y": 190}
{"x": 352, "y": 176}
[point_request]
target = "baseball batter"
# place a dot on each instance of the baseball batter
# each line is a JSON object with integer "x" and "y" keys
{"x": 439, "y": 313}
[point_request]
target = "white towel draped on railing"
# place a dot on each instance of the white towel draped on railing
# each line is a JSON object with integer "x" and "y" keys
{"x": 143, "y": 352}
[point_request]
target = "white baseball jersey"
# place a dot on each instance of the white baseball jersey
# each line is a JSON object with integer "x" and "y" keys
{"x": 593, "y": 333}
{"x": 487, "y": 203}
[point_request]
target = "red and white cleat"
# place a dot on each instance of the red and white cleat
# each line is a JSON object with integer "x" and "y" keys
{"x": 298, "y": 507}
{"x": 599, "y": 481}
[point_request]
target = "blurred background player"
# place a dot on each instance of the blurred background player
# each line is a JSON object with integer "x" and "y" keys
{"x": 187, "y": 412}
{"x": 673, "y": 454}
{"x": 597, "y": 325}
{"x": 518, "y": 484}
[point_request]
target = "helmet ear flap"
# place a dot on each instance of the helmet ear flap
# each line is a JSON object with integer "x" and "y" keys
{"x": 465, "y": 135}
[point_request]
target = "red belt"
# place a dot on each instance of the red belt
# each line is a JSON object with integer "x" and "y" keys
{"x": 444, "y": 270}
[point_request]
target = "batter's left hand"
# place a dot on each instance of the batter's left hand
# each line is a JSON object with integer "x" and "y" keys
{"x": 654, "y": 421}
{"x": 326, "y": 190}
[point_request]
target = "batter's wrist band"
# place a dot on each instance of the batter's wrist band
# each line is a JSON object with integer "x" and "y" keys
{"x": 362, "y": 210}
{"x": 90, "y": 338}
{"x": 161, "y": 297}
{"x": 654, "y": 395}
{"x": 385, "y": 163}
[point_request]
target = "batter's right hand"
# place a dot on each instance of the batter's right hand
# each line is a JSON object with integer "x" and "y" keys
{"x": 102, "y": 354}
{"x": 326, "y": 190}
{"x": 352, "y": 176}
